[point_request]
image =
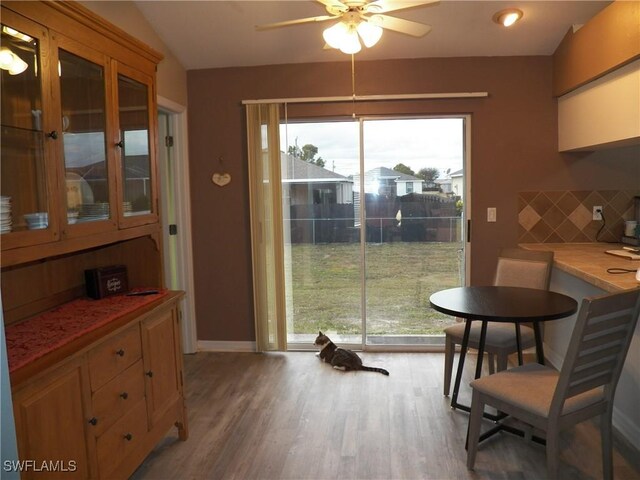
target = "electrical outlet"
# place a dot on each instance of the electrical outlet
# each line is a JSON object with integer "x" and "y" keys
{"x": 491, "y": 214}
{"x": 597, "y": 212}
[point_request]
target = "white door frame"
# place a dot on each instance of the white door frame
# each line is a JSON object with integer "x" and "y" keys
{"x": 178, "y": 118}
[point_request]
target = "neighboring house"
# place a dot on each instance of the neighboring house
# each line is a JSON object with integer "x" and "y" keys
{"x": 457, "y": 183}
{"x": 307, "y": 183}
{"x": 445, "y": 184}
{"x": 385, "y": 181}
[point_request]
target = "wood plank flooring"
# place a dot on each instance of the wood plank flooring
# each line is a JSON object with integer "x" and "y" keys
{"x": 289, "y": 416}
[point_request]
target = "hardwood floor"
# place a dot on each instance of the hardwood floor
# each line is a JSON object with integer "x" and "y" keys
{"x": 289, "y": 416}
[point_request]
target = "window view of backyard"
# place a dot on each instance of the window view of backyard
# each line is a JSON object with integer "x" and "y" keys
{"x": 366, "y": 247}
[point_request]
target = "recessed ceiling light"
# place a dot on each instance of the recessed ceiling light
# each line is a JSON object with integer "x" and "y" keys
{"x": 508, "y": 16}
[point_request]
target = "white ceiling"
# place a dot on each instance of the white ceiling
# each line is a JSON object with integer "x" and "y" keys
{"x": 209, "y": 34}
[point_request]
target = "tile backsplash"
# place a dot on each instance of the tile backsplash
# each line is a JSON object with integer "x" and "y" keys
{"x": 567, "y": 216}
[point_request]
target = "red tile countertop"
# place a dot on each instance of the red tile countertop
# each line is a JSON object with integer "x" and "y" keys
{"x": 29, "y": 340}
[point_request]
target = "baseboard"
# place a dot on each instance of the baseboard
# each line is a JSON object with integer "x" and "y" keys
{"x": 216, "y": 346}
{"x": 626, "y": 428}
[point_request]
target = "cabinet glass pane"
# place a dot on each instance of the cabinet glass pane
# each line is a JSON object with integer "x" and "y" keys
{"x": 134, "y": 131}
{"x": 23, "y": 187}
{"x": 82, "y": 91}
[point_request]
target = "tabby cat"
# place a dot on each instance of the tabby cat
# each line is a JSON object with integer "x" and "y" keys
{"x": 341, "y": 358}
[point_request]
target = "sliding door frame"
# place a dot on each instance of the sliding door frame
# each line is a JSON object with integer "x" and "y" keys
{"x": 466, "y": 166}
{"x": 466, "y": 133}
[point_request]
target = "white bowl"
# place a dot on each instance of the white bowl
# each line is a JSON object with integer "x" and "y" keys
{"x": 72, "y": 217}
{"x": 37, "y": 220}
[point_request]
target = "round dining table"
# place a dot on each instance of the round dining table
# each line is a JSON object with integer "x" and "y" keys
{"x": 500, "y": 304}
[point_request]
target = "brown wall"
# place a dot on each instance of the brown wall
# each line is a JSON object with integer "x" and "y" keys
{"x": 514, "y": 149}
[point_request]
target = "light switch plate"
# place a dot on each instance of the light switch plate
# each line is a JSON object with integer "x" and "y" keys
{"x": 491, "y": 214}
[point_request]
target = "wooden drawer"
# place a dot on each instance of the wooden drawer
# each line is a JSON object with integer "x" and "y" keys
{"x": 125, "y": 436}
{"x": 114, "y": 399}
{"x": 114, "y": 356}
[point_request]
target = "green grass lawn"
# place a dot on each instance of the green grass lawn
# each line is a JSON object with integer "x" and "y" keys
{"x": 400, "y": 277}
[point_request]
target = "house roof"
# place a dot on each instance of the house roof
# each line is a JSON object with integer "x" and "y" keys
{"x": 294, "y": 169}
{"x": 457, "y": 173}
{"x": 384, "y": 172}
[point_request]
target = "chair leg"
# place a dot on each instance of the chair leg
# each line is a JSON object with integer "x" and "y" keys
{"x": 607, "y": 444}
{"x": 503, "y": 361}
{"x": 553, "y": 442}
{"x": 492, "y": 368}
{"x": 473, "y": 431}
{"x": 449, "y": 353}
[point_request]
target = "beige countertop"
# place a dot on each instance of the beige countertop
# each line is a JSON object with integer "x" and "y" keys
{"x": 589, "y": 262}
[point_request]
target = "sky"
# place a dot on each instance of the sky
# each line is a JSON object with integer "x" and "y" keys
{"x": 417, "y": 143}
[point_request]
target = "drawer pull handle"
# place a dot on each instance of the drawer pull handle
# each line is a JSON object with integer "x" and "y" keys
{"x": 93, "y": 421}
{"x": 120, "y": 353}
{"x": 149, "y": 374}
{"x": 128, "y": 437}
{"x": 124, "y": 395}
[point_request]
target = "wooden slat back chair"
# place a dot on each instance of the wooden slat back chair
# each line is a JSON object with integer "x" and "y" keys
{"x": 584, "y": 388}
{"x": 516, "y": 268}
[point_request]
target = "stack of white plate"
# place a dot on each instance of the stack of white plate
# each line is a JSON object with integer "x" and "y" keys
{"x": 5, "y": 214}
{"x": 93, "y": 211}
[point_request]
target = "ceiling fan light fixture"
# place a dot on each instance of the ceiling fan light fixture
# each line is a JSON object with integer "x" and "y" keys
{"x": 11, "y": 62}
{"x": 507, "y": 17}
{"x": 351, "y": 43}
{"x": 6, "y": 58}
{"x": 335, "y": 35}
{"x": 343, "y": 37}
{"x": 369, "y": 33}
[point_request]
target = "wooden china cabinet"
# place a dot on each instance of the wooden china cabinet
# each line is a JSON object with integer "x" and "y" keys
{"x": 79, "y": 189}
{"x": 78, "y": 133}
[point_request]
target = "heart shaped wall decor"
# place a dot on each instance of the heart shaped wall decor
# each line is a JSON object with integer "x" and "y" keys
{"x": 221, "y": 179}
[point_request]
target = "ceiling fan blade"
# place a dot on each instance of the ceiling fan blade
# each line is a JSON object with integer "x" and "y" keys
{"x": 384, "y": 6}
{"x": 401, "y": 25}
{"x": 321, "y": 18}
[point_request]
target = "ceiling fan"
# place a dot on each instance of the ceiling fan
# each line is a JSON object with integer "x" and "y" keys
{"x": 361, "y": 20}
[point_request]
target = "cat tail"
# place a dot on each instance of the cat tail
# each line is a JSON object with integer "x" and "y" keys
{"x": 374, "y": 369}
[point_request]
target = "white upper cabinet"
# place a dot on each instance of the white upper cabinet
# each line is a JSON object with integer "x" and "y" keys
{"x": 603, "y": 113}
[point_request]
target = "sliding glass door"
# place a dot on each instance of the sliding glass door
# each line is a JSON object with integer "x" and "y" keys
{"x": 373, "y": 216}
{"x": 323, "y": 264}
{"x": 413, "y": 224}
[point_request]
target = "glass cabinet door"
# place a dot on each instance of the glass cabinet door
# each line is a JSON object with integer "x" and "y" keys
{"x": 137, "y": 151}
{"x": 27, "y": 178}
{"x": 87, "y": 176}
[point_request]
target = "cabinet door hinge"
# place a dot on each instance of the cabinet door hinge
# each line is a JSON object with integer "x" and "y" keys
{"x": 168, "y": 141}
{"x": 173, "y": 229}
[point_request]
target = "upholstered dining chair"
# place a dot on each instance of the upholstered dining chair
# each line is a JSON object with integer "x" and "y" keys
{"x": 516, "y": 268}
{"x": 585, "y": 386}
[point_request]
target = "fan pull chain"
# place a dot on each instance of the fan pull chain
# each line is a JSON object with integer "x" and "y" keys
{"x": 353, "y": 83}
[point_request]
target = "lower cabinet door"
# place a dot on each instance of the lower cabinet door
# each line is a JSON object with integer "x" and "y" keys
{"x": 50, "y": 426}
{"x": 160, "y": 341}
